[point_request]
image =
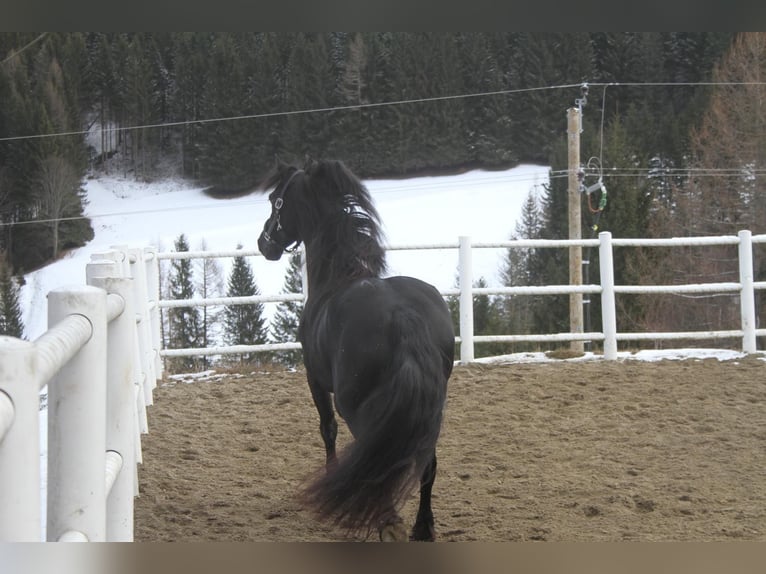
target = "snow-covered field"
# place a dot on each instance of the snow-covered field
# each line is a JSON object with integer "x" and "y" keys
{"x": 482, "y": 204}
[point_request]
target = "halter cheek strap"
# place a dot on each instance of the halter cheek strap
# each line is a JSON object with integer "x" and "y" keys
{"x": 275, "y": 221}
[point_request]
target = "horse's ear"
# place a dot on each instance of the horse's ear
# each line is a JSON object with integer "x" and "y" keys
{"x": 279, "y": 164}
{"x": 308, "y": 163}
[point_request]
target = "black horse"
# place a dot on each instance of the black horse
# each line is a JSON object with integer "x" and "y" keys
{"x": 382, "y": 346}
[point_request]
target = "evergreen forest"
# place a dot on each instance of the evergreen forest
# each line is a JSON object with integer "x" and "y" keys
{"x": 673, "y": 122}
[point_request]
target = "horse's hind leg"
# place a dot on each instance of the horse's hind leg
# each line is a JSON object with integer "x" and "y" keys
{"x": 424, "y": 522}
{"x": 328, "y": 426}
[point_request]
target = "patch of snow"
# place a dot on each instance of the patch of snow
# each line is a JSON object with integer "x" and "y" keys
{"x": 643, "y": 355}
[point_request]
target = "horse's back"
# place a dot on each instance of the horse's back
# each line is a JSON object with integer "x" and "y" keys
{"x": 375, "y": 324}
{"x": 384, "y": 305}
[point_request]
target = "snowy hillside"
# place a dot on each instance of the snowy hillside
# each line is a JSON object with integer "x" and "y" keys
{"x": 484, "y": 205}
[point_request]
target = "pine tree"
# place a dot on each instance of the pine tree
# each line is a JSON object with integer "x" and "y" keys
{"x": 184, "y": 325}
{"x": 551, "y": 266}
{"x": 244, "y": 324}
{"x": 351, "y": 63}
{"x": 519, "y": 269}
{"x": 540, "y": 59}
{"x": 353, "y": 67}
{"x": 311, "y": 86}
{"x": 487, "y": 121}
{"x": 11, "y": 323}
{"x": 284, "y": 327}
{"x": 227, "y": 159}
{"x": 190, "y": 78}
{"x": 487, "y": 320}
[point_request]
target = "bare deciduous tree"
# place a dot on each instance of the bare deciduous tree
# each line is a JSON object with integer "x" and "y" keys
{"x": 210, "y": 284}
{"x": 57, "y": 193}
{"x": 725, "y": 192}
{"x": 729, "y": 147}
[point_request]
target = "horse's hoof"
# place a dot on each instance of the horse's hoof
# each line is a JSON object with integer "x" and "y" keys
{"x": 423, "y": 533}
{"x": 394, "y": 532}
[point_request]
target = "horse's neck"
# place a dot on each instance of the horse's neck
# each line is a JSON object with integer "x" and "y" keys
{"x": 334, "y": 262}
{"x": 321, "y": 272}
{"x": 330, "y": 270}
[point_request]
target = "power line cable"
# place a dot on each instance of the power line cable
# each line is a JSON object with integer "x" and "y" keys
{"x": 374, "y": 105}
{"x": 23, "y": 48}
{"x": 553, "y": 174}
{"x": 674, "y": 84}
{"x": 295, "y": 112}
{"x": 670, "y": 172}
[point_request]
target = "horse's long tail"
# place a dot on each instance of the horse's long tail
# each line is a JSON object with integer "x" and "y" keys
{"x": 395, "y": 440}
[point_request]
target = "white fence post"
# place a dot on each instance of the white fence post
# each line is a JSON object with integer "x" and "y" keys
{"x": 138, "y": 272}
{"x": 153, "y": 302}
{"x": 608, "y": 305}
{"x": 144, "y": 386}
{"x": 121, "y": 431}
{"x": 77, "y": 423}
{"x": 747, "y": 294}
{"x": 20, "y": 446}
{"x": 466, "y": 300}
{"x": 304, "y": 273}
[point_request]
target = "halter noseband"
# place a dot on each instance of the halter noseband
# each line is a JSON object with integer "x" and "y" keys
{"x": 275, "y": 223}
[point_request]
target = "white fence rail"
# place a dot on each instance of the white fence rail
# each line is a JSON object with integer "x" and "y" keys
{"x": 100, "y": 361}
{"x": 608, "y": 335}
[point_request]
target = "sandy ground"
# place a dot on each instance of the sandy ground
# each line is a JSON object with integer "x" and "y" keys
{"x": 561, "y": 451}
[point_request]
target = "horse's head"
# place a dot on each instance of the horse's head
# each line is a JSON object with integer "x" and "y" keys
{"x": 327, "y": 206}
{"x": 280, "y": 231}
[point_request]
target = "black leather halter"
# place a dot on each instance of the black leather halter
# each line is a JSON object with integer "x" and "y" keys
{"x": 275, "y": 224}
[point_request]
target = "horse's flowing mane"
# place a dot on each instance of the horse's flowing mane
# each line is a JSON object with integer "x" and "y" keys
{"x": 337, "y": 211}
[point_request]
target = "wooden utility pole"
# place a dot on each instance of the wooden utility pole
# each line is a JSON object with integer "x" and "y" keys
{"x": 574, "y": 121}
